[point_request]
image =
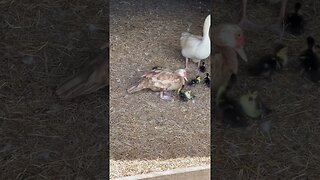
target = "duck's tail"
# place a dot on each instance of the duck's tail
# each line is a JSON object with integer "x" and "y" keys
{"x": 134, "y": 89}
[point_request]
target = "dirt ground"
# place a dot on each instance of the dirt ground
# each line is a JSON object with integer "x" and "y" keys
{"x": 291, "y": 148}
{"x": 42, "y": 44}
{"x": 43, "y": 137}
{"x": 146, "y": 133}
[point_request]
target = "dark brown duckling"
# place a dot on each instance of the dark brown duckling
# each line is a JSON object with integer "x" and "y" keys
{"x": 309, "y": 60}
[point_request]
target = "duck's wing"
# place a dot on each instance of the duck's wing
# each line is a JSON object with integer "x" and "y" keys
{"x": 166, "y": 79}
{"x": 93, "y": 78}
{"x": 156, "y": 80}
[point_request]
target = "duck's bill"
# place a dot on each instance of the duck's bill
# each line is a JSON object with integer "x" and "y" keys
{"x": 242, "y": 54}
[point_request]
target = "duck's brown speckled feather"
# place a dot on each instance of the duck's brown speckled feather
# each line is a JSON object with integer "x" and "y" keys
{"x": 159, "y": 80}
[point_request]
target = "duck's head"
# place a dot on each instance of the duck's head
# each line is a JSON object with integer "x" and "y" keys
{"x": 182, "y": 73}
{"x": 157, "y": 68}
{"x": 249, "y": 100}
{"x": 198, "y": 78}
{"x": 188, "y": 94}
{"x": 230, "y": 35}
{"x": 251, "y": 96}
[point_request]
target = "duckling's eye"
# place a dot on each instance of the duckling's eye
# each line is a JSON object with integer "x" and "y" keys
{"x": 250, "y": 98}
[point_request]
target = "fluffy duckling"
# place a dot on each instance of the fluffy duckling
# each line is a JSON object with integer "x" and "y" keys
{"x": 196, "y": 47}
{"x": 195, "y": 81}
{"x": 162, "y": 80}
{"x": 229, "y": 111}
{"x": 229, "y": 35}
{"x": 269, "y": 63}
{"x": 206, "y": 80}
{"x": 157, "y": 68}
{"x": 252, "y": 106}
{"x": 185, "y": 95}
{"x": 309, "y": 59}
{"x": 202, "y": 68}
{"x": 94, "y": 77}
{"x": 295, "y": 22}
{"x": 234, "y": 112}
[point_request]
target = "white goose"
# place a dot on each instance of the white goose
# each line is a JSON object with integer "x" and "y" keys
{"x": 196, "y": 47}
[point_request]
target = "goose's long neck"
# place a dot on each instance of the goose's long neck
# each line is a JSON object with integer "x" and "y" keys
{"x": 206, "y": 28}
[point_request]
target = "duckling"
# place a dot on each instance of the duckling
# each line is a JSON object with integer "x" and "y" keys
{"x": 271, "y": 62}
{"x": 252, "y": 106}
{"x": 195, "y": 81}
{"x": 235, "y": 111}
{"x": 295, "y": 22}
{"x": 206, "y": 80}
{"x": 309, "y": 60}
{"x": 157, "y": 68}
{"x": 202, "y": 68}
{"x": 229, "y": 111}
{"x": 185, "y": 95}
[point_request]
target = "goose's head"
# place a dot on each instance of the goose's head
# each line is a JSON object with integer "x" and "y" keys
{"x": 182, "y": 73}
{"x": 206, "y": 26}
{"x": 230, "y": 35}
{"x": 207, "y": 21}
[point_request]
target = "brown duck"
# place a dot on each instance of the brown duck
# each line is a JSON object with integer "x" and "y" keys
{"x": 94, "y": 77}
{"x": 162, "y": 80}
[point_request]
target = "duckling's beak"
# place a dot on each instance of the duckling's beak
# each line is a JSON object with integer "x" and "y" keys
{"x": 241, "y": 53}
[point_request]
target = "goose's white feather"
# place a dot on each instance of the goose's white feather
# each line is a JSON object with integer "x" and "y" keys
{"x": 197, "y": 47}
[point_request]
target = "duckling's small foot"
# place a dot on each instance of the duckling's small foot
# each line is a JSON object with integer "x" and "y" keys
{"x": 166, "y": 96}
{"x": 246, "y": 24}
